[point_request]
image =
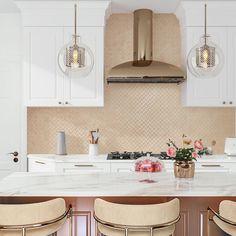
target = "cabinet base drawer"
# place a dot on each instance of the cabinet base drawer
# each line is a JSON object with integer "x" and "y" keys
{"x": 83, "y": 167}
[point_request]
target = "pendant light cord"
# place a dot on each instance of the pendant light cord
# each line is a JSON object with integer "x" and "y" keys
{"x": 75, "y": 24}
{"x": 205, "y": 28}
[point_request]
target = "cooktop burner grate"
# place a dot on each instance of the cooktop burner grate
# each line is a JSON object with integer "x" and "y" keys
{"x": 129, "y": 155}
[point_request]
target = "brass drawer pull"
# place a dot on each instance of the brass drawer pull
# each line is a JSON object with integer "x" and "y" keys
{"x": 212, "y": 165}
{"x": 40, "y": 162}
{"x": 84, "y": 165}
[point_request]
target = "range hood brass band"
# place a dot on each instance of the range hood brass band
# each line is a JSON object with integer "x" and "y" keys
{"x": 146, "y": 80}
{"x": 142, "y": 37}
{"x": 156, "y": 72}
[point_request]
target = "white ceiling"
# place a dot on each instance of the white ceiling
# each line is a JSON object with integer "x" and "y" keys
{"x": 118, "y": 6}
{"x": 156, "y": 5}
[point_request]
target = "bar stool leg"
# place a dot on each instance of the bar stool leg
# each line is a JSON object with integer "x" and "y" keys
{"x": 23, "y": 232}
{"x": 151, "y": 232}
{"x": 71, "y": 224}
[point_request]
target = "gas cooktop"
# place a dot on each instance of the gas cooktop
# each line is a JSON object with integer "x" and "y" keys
{"x": 130, "y": 155}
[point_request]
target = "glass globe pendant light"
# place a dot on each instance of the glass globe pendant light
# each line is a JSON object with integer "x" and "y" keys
{"x": 205, "y": 59}
{"x": 75, "y": 59}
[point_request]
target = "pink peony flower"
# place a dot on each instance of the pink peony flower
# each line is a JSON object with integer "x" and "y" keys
{"x": 194, "y": 154}
{"x": 187, "y": 140}
{"x": 198, "y": 145}
{"x": 171, "y": 152}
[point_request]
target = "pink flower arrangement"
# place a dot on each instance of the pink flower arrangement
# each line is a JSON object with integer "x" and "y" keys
{"x": 198, "y": 145}
{"x": 171, "y": 151}
{"x": 190, "y": 150}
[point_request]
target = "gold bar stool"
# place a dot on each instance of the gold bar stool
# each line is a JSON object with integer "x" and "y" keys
{"x": 225, "y": 219}
{"x": 136, "y": 220}
{"x": 36, "y": 219}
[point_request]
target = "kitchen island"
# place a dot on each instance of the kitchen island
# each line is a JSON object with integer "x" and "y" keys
{"x": 80, "y": 190}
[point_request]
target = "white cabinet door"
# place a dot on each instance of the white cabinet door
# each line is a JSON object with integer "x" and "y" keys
{"x": 12, "y": 112}
{"x": 87, "y": 91}
{"x": 214, "y": 167}
{"x": 43, "y": 83}
{"x": 10, "y": 118}
{"x": 83, "y": 167}
{"x": 232, "y": 65}
{"x": 210, "y": 92}
{"x": 38, "y": 165}
{"x": 122, "y": 167}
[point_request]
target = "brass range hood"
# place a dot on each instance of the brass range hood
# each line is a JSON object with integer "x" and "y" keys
{"x": 143, "y": 69}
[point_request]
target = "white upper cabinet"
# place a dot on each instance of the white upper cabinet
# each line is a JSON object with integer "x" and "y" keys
{"x": 231, "y": 88}
{"x": 43, "y": 82}
{"x": 218, "y": 91}
{"x": 48, "y": 26}
{"x": 87, "y": 91}
{"x": 207, "y": 91}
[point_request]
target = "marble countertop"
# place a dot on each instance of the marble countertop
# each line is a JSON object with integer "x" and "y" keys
{"x": 103, "y": 158}
{"x": 117, "y": 184}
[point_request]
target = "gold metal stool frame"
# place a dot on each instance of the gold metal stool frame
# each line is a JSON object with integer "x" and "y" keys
{"x": 127, "y": 228}
{"x": 210, "y": 211}
{"x": 67, "y": 214}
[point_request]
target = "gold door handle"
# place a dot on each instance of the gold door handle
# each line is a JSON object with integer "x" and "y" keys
{"x": 84, "y": 165}
{"x": 40, "y": 162}
{"x": 212, "y": 165}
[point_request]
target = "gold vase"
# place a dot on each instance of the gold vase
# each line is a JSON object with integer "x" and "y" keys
{"x": 184, "y": 169}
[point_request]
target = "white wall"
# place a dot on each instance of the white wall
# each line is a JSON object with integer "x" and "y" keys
{"x": 7, "y": 6}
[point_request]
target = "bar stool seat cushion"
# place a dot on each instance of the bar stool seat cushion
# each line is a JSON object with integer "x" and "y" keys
{"x": 21, "y": 214}
{"x": 227, "y": 209}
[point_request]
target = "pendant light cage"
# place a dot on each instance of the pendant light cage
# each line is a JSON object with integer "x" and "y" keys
{"x": 205, "y": 59}
{"x": 76, "y": 59}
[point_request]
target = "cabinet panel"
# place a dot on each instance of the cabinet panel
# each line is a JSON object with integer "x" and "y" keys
{"x": 44, "y": 85}
{"x": 88, "y": 90}
{"x": 82, "y": 167}
{"x": 232, "y": 65}
{"x": 182, "y": 227}
{"x": 40, "y": 166}
{"x": 214, "y": 167}
{"x": 207, "y": 91}
{"x": 122, "y": 167}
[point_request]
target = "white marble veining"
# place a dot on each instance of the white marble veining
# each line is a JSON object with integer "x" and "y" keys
{"x": 117, "y": 184}
{"x": 103, "y": 158}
